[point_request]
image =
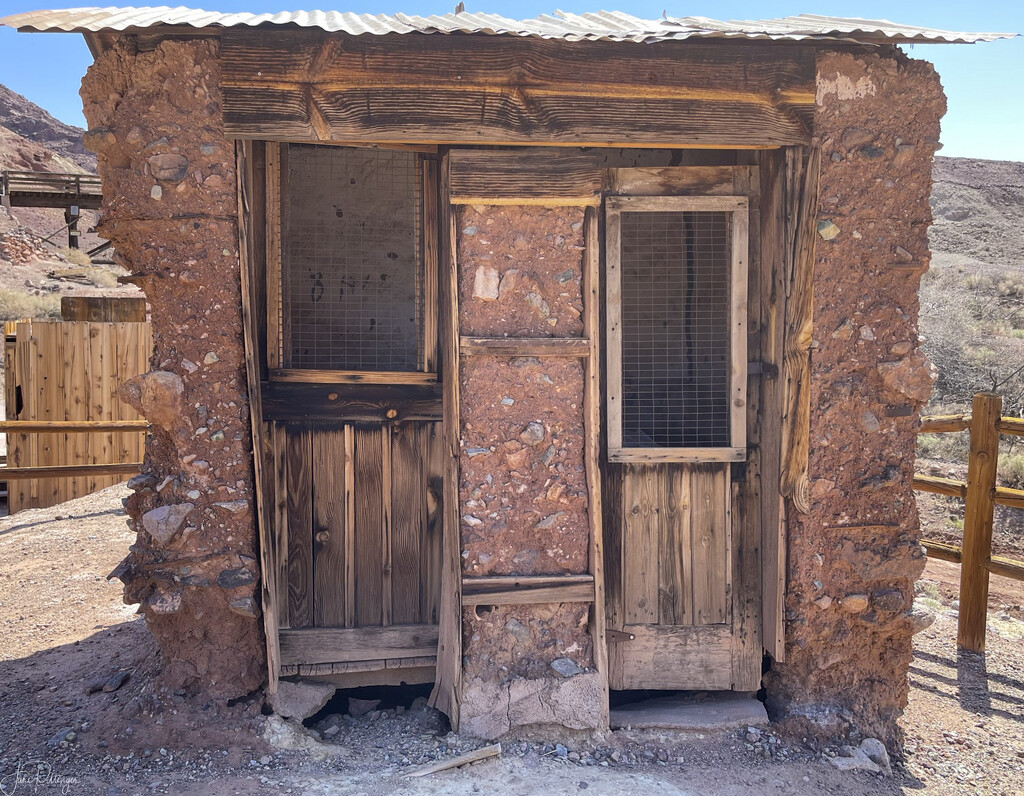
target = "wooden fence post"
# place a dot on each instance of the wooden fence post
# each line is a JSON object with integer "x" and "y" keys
{"x": 978, "y": 513}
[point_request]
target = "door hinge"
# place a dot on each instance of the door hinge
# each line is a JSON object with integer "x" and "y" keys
{"x": 617, "y": 636}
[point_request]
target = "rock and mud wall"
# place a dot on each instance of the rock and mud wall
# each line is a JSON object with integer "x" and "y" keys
{"x": 170, "y": 211}
{"x": 854, "y": 557}
{"x": 523, "y": 491}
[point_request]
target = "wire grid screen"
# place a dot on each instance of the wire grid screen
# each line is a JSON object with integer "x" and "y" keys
{"x": 675, "y": 329}
{"x": 352, "y": 282}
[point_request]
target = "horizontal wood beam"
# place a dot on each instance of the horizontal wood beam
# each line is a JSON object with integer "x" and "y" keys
{"x": 525, "y": 346}
{"x": 1005, "y": 496}
{"x": 940, "y": 486}
{"x": 1005, "y": 567}
{"x": 344, "y": 645}
{"x": 941, "y": 550}
{"x": 1011, "y": 425}
{"x": 70, "y": 426}
{"x": 366, "y": 403}
{"x": 524, "y": 176}
{"x": 493, "y": 583}
{"x": 572, "y": 593}
{"x": 303, "y": 376}
{"x": 943, "y": 423}
{"x": 305, "y": 85}
{"x": 69, "y": 471}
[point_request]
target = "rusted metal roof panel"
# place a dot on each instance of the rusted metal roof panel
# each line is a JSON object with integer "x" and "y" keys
{"x": 594, "y": 26}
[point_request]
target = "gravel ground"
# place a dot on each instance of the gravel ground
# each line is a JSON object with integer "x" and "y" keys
{"x": 66, "y": 631}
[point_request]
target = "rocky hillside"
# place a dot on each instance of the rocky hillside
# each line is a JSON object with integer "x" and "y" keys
{"x": 36, "y": 268}
{"x": 972, "y": 298}
{"x": 31, "y": 122}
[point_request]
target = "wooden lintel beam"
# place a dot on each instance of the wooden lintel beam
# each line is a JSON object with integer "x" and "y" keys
{"x": 315, "y": 86}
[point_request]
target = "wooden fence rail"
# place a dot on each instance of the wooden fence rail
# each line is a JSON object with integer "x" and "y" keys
{"x": 981, "y": 494}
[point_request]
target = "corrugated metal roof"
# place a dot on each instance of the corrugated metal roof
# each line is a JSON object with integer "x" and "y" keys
{"x": 598, "y": 25}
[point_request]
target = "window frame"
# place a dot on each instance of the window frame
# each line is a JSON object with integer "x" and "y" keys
{"x": 277, "y": 324}
{"x": 738, "y": 209}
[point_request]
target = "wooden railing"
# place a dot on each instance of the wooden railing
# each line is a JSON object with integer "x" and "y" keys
{"x": 48, "y": 182}
{"x": 981, "y": 495}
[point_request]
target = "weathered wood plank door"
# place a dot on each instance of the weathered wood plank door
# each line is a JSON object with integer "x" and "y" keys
{"x": 681, "y": 525}
{"x": 342, "y": 288}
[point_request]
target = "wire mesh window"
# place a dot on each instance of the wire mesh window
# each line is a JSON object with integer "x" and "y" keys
{"x": 672, "y": 328}
{"x": 351, "y": 259}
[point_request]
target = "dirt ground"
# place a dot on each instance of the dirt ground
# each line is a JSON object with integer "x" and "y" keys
{"x": 65, "y": 627}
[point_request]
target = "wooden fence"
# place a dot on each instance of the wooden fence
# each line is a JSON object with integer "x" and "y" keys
{"x": 981, "y": 494}
{"x": 68, "y": 434}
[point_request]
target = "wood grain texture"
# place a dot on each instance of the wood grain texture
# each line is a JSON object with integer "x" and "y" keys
{"x": 369, "y": 539}
{"x": 773, "y": 300}
{"x": 675, "y": 549}
{"x": 446, "y": 694}
{"x": 801, "y": 200}
{"x": 671, "y": 181}
{"x": 746, "y": 491}
{"x": 982, "y": 461}
{"x": 250, "y": 170}
{"x": 641, "y": 531}
{"x": 340, "y": 645}
{"x": 409, "y": 515}
{"x": 524, "y": 174}
{"x": 329, "y": 528}
{"x": 591, "y": 290}
{"x": 309, "y": 86}
{"x": 299, "y": 452}
{"x": 711, "y": 538}
{"x": 663, "y": 657}
{"x": 351, "y": 403}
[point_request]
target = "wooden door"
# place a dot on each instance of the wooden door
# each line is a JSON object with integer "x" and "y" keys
{"x": 681, "y": 543}
{"x": 340, "y": 283}
{"x": 361, "y": 515}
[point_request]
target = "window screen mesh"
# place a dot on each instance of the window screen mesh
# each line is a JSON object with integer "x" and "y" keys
{"x": 675, "y": 329}
{"x": 351, "y": 271}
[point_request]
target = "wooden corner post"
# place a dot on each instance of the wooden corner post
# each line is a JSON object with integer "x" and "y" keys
{"x": 978, "y": 513}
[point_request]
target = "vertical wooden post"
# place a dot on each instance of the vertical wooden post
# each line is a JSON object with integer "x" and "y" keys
{"x": 978, "y": 512}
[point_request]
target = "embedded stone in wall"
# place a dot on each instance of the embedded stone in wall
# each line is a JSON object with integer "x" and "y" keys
{"x": 854, "y": 556}
{"x": 523, "y": 486}
{"x": 170, "y": 211}
{"x": 535, "y": 255}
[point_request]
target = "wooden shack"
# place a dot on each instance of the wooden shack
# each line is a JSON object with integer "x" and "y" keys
{"x": 537, "y": 360}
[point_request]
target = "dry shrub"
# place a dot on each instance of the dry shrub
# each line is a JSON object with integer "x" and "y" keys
{"x": 1011, "y": 470}
{"x": 76, "y": 256}
{"x": 16, "y": 306}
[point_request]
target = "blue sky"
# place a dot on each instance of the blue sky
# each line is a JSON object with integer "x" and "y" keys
{"x": 984, "y": 82}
